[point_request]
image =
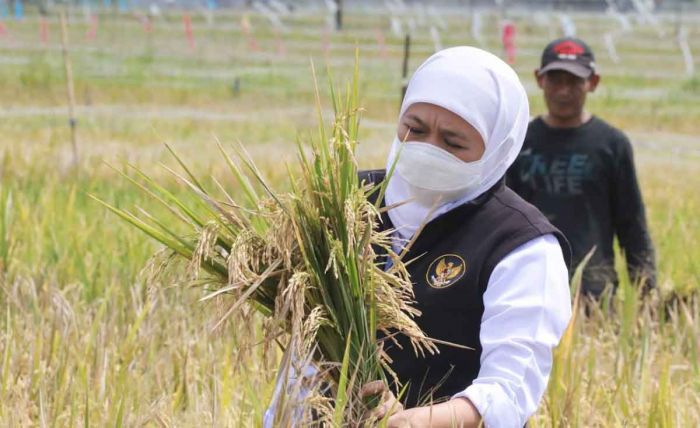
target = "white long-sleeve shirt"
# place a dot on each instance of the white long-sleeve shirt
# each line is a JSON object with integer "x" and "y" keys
{"x": 527, "y": 306}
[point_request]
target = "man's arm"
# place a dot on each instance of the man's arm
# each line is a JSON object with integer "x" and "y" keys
{"x": 629, "y": 220}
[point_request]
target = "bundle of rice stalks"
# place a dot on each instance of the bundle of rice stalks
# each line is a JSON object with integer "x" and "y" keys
{"x": 313, "y": 259}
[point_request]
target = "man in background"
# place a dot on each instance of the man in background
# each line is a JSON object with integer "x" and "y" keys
{"x": 579, "y": 171}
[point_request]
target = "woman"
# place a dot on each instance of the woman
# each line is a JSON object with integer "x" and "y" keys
{"x": 489, "y": 270}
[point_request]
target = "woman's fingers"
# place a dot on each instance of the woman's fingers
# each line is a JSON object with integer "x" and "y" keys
{"x": 387, "y": 407}
{"x": 388, "y": 404}
{"x": 398, "y": 421}
{"x": 372, "y": 388}
{"x": 392, "y": 406}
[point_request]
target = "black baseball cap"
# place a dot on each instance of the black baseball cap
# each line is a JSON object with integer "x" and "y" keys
{"x": 568, "y": 54}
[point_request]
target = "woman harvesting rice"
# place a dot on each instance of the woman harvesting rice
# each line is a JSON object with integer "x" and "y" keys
{"x": 489, "y": 270}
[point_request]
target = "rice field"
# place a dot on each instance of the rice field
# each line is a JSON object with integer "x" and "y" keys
{"x": 85, "y": 340}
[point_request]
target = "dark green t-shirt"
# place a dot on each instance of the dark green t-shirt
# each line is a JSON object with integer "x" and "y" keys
{"x": 583, "y": 179}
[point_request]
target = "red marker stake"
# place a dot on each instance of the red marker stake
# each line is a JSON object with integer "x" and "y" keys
{"x": 326, "y": 41}
{"x": 508, "y": 40}
{"x": 43, "y": 30}
{"x": 281, "y": 48}
{"x": 381, "y": 42}
{"x": 248, "y": 33}
{"x": 147, "y": 24}
{"x": 187, "y": 21}
{"x": 252, "y": 43}
{"x": 92, "y": 29}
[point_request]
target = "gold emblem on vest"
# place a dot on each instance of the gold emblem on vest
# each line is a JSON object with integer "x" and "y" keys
{"x": 445, "y": 271}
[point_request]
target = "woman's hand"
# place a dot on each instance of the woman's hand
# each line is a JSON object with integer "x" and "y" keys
{"x": 458, "y": 412}
{"x": 388, "y": 404}
{"x": 410, "y": 418}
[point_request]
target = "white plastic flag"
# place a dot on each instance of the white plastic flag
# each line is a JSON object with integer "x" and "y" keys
{"x": 685, "y": 51}
{"x": 567, "y": 25}
{"x": 610, "y": 44}
{"x": 435, "y": 34}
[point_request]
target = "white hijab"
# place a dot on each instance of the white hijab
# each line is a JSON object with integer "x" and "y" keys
{"x": 484, "y": 91}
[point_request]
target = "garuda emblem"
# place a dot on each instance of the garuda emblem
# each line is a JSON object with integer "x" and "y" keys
{"x": 445, "y": 271}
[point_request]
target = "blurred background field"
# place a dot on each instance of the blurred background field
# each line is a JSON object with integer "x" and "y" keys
{"x": 85, "y": 342}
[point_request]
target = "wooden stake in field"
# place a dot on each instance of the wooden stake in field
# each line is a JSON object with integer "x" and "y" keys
{"x": 338, "y": 15}
{"x": 70, "y": 89}
{"x": 404, "y": 68}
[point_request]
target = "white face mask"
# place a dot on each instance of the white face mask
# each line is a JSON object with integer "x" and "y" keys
{"x": 486, "y": 93}
{"x": 435, "y": 175}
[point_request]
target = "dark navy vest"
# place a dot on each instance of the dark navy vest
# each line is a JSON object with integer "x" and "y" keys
{"x": 454, "y": 257}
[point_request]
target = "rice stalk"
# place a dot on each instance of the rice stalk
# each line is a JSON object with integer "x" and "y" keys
{"x": 312, "y": 259}
{"x": 6, "y": 238}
